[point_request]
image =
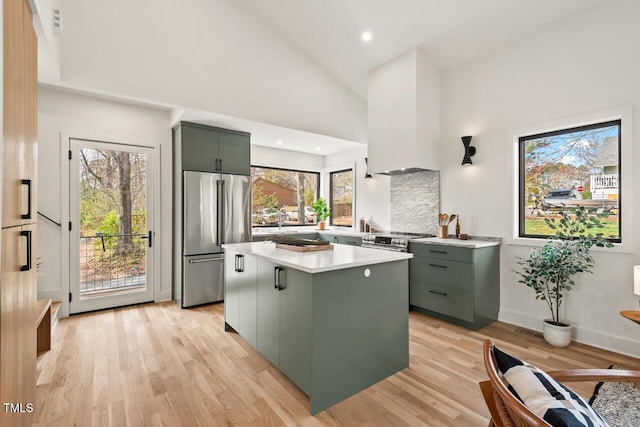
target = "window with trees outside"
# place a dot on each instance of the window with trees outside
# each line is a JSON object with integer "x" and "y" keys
{"x": 283, "y": 195}
{"x": 341, "y": 200}
{"x": 569, "y": 168}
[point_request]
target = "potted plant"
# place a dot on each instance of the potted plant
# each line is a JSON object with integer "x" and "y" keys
{"x": 549, "y": 269}
{"x": 321, "y": 208}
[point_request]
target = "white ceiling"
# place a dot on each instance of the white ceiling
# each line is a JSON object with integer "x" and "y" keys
{"x": 450, "y": 32}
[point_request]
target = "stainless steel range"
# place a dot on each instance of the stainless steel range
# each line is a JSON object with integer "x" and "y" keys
{"x": 392, "y": 241}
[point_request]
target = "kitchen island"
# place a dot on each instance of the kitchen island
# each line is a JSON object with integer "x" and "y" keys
{"x": 334, "y": 321}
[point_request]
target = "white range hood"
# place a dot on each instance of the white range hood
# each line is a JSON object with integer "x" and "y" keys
{"x": 403, "y": 115}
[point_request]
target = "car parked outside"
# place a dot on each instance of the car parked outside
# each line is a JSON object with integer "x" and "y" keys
{"x": 309, "y": 214}
{"x": 268, "y": 216}
{"x": 560, "y": 197}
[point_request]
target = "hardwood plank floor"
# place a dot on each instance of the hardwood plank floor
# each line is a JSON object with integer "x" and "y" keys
{"x": 155, "y": 364}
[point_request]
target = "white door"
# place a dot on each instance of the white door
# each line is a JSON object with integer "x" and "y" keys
{"x": 111, "y": 236}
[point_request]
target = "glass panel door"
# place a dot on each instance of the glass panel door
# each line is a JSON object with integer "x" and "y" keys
{"x": 111, "y": 233}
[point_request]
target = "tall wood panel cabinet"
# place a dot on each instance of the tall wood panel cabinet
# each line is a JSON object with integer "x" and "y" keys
{"x": 18, "y": 289}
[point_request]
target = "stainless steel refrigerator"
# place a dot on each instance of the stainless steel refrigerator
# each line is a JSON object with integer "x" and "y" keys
{"x": 216, "y": 210}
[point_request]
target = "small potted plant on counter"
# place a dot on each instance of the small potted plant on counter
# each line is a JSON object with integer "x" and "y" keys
{"x": 549, "y": 269}
{"x": 321, "y": 208}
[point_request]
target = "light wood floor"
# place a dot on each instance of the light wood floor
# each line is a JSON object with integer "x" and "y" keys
{"x": 156, "y": 364}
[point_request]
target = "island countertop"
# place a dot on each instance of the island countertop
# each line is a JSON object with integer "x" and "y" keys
{"x": 340, "y": 257}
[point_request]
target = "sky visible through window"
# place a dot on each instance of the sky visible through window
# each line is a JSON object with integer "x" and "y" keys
{"x": 565, "y": 169}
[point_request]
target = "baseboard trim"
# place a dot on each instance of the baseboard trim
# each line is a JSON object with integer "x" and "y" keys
{"x": 582, "y": 335}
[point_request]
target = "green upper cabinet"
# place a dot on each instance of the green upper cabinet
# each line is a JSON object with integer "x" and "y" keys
{"x": 234, "y": 152}
{"x": 210, "y": 149}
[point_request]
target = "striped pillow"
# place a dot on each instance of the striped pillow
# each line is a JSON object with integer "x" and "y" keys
{"x": 552, "y": 401}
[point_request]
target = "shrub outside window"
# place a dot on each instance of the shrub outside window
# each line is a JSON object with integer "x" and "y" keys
{"x": 341, "y": 202}
{"x": 281, "y": 194}
{"x": 568, "y": 168}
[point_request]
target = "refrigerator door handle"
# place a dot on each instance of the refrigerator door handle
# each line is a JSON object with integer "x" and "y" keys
{"x": 222, "y": 194}
{"x": 197, "y": 261}
{"x": 218, "y": 213}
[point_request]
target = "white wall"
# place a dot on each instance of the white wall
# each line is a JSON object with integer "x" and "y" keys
{"x": 587, "y": 64}
{"x": 72, "y": 114}
{"x": 372, "y": 198}
{"x": 212, "y": 55}
{"x": 285, "y": 159}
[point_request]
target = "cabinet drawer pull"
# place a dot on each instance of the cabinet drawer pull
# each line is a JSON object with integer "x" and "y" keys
{"x": 438, "y": 266}
{"x": 437, "y": 252}
{"x": 241, "y": 263}
{"x": 278, "y": 278}
{"x": 438, "y": 293}
{"x": 27, "y": 182}
{"x": 27, "y": 234}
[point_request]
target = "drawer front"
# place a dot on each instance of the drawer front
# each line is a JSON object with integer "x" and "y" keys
{"x": 349, "y": 240}
{"x": 453, "y": 253}
{"x": 450, "y": 302}
{"x": 440, "y": 272}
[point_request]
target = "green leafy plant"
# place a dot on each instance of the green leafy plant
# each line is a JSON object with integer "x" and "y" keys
{"x": 549, "y": 270}
{"x": 321, "y": 208}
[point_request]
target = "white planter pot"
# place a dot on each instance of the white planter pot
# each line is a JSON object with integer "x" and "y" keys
{"x": 557, "y": 336}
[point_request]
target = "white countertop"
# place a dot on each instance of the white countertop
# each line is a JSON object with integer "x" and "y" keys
{"x": 340, "y": 257}
{"x": 469, "y": 243}
{"x": 271, "y": 231}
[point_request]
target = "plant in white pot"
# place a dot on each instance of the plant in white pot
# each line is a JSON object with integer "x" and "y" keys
{"x": 549, "y": 269}
{"x": 321, "y": 208}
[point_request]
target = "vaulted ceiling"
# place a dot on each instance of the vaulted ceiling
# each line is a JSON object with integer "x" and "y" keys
{"x": 264, "y": 65}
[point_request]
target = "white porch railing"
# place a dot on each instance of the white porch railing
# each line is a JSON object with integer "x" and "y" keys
{"x": 604, "y": 181}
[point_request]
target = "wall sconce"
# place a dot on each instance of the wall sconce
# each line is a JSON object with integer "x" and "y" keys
{"x": 469, "y": 150}
{"x": 366, "y": 173}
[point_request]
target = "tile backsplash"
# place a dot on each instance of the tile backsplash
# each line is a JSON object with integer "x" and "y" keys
{"x": 415, "y": 202}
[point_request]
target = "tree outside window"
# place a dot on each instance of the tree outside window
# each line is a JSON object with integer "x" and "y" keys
{"x": 281, "y": 194}
{"x": 568, "y": 168}
{"x": 341, "y": 201}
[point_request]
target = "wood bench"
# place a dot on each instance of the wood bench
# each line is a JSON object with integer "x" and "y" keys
{"x": 43, "y": 324}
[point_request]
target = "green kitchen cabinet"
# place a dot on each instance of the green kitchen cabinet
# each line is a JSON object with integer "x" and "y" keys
{"x": 283, "y": 320}
{"x": 241, "y": 295}
{"x": 454, "y": 283}
{"x": 268, "y": 312}
{"x": 210, "y": 149}
{"x": 332, "y": 333}
{"x": 342, "y": 239}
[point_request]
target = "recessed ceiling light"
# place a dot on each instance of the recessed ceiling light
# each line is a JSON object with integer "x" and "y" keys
{"x": 279, "y": 142}
{"x": 402, "y": 169}
{"x": 317, "y": 148}
{"x": 367, "y": 36}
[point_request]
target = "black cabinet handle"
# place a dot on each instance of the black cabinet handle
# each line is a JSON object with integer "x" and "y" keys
{"x": 438, "y": 293}
{"x": 239, "y": 263}
{"x": 236, "y": 268}
{"x": 335, "y": 240}
{"x": 437, "y": 252}
{"x": 220, "y": 165}
{"x": 278, "y": 278}
{"x": 27, "y": 234}
{"x": 27, "y": 182}
{"x": 438, "y": 266}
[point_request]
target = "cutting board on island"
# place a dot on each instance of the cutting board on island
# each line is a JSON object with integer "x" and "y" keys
{"x": 300, "y": 245}
{"x": 304, "y": 248}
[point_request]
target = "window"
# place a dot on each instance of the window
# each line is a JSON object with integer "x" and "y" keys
{"x": 280, "y": 194}
{"x": 568, "y": 168}
{"x": 341, "y": 201}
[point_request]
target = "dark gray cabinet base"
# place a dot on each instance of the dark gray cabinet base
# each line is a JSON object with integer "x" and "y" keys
{"x": 333, "y": 333}
{"x": 456, "y": 284}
